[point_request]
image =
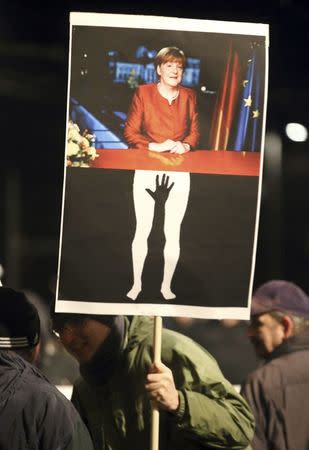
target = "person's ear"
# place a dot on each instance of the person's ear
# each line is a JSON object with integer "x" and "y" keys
{"x": 159, "y": 71}
{"x": 288, "y": 326}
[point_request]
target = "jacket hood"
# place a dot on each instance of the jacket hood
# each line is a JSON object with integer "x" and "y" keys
{"x": 139, "y": 330}
{"x": 108, "y": 356}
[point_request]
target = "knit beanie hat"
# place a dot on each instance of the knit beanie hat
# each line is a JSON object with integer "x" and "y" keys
{"x": 58, "y": 320}
{"x": 19, "y": 320}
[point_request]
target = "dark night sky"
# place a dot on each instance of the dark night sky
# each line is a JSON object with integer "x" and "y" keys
{"x": 33, "y": 84}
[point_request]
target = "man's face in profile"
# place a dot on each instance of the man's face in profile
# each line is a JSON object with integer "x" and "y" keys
{"x": 83, "y": 339}
{"x": 265, "y": 333}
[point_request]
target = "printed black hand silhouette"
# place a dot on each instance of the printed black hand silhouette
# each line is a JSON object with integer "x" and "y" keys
{"x": 161, "y": 193}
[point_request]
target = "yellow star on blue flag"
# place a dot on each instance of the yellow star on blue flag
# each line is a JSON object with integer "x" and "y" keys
{"x": 248, "y": 101}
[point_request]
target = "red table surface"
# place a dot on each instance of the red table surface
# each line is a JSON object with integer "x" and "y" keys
{"x": 197, "y": 161}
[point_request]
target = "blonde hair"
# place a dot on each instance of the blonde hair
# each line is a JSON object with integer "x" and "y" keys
{"x": 170, "y": 54}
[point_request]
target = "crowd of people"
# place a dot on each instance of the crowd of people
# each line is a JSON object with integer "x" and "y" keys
{"x": 199, "y": 407}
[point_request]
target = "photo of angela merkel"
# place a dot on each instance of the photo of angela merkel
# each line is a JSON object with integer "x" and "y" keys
{"x": 163, "y": 117}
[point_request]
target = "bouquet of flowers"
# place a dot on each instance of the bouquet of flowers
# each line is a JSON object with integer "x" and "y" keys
{"x": 80, "y": 147}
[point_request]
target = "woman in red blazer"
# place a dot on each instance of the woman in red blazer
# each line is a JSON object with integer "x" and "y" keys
{"x": 163, "y": 117}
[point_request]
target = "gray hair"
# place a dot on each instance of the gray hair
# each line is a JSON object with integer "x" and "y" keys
{"x": 300, "y": 324}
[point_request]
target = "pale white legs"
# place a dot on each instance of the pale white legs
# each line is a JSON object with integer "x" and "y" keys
{"x": 175, "y": 208}
{"x": 144, "y": 211}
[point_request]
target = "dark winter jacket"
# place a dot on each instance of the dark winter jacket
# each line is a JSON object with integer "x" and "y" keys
{"x": 211, "y": 415}
{"x": 34, "y": 415}
{"x": 278, "y": 393}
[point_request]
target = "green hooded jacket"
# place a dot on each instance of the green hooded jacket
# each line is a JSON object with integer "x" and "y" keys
{"x": 211, "y": 414}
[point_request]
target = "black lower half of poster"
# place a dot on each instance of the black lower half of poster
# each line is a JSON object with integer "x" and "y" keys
{"x": 216, "y": 240}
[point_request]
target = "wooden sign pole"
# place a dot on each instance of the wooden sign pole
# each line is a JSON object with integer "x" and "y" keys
{"x": 155, "y": 415}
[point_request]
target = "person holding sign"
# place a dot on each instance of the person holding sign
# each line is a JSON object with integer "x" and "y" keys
{"x": 163, "y": 117}
{"x": 199, "y": 408}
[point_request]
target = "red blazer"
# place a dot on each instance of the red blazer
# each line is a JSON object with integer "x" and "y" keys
{"x": 152, "y": 119}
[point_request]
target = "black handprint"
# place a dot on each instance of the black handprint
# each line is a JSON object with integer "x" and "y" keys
{"x": 162, "y": 191}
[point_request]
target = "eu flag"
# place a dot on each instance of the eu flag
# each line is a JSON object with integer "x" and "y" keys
{"x": 246, "y": 104}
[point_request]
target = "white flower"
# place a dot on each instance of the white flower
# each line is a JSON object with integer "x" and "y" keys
{"x": 72, "y": 125}
{"x": 73, "y": 135}
{"x": 72, "y": 148}
{"x": 80, "y": 146}
{"x": 84, "y": 143}
{"x": 92, "y": 152}
{"x": 90, "y": 137}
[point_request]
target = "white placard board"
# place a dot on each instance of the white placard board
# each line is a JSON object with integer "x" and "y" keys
{"x": 118, "y": 242}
